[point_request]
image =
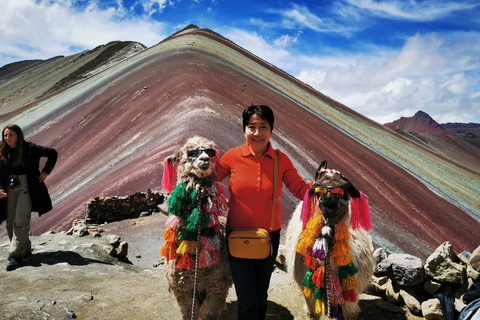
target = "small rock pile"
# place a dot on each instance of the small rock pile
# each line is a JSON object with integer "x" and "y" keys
{"x": 109, "y": 209}
{"x": 117, "y": 248}
{"x": 405, "y": 280}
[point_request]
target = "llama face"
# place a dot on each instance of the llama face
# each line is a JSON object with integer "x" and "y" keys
{"x": 199, "y": 162}
{"x": 331, "y": 191}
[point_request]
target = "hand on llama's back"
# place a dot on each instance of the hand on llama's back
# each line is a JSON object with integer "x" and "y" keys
{"x": 323, "y": 248}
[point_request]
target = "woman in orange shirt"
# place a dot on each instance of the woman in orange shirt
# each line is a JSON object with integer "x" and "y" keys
{"x": 250, "y": 168}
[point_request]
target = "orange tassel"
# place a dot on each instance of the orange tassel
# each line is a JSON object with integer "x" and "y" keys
{"x": 170, "y": 235}
{"x": 341, "y": 231}
{"x": 311, "y": 262}
{"x": 169, "y": 251}
{"x": 187, "y": 246}
{"x": 349, "y": 283}
{"x": 315, "y": 224}
{"x": 318, "y": 277}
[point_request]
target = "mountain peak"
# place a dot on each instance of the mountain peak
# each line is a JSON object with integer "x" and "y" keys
{"x": 421, "y": 122}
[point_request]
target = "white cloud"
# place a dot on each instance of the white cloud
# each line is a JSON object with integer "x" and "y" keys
{"x": 286, "y": 40}
{"x": 430, "y": 73}
{"x": 412, "y": 10}
{"x": 39, "y": 30}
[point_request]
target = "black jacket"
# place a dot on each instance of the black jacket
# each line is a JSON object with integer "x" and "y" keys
{"x": 32, "y": 153}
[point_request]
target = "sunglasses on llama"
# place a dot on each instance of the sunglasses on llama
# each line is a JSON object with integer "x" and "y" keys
{"x": 322, "y": 191}
{"x": 195, "y": 153}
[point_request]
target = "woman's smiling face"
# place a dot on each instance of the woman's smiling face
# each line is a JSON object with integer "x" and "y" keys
{"x": 258, "y": 134}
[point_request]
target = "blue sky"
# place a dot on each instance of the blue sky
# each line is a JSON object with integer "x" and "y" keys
{"x": 384, "y": 59}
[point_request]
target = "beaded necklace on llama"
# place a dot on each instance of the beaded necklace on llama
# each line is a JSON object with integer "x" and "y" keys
{"x": 330, "y": 278}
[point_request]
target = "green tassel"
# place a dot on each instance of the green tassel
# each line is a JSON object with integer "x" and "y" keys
{"x": 348, "y": 270}
{"x": 307, "y": 280}
{"x": 320, "y": 294}
{"x": 177, "y": 202}
{"x": 192, "y": 220}
{"x": 187, "y": 235}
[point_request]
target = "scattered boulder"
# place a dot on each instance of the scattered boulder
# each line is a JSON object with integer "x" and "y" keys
{"x": 404, "y": 269}
{"x": 443, "y": 265}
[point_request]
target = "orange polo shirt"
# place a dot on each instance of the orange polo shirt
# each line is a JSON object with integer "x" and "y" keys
{"x": 251, "y": 186}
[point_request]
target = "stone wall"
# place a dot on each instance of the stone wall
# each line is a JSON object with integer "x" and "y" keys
{"x": 405, "y": 280}
{"x": 109, "y": 209}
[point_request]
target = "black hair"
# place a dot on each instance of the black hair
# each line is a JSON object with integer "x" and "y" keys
{"x": 265, "y": 112}
{"x": 5, "y": 148}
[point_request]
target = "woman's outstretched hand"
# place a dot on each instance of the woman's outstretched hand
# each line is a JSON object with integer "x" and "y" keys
{"x": 3, "y": 194}
{"x": 43, "y": 176}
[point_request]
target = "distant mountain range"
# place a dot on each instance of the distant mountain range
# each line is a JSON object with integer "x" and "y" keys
{"x": 421, "y": 122}
{"x": 114, "y": 113}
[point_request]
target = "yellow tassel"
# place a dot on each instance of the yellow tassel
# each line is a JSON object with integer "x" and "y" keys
{"x": 187, "y": 246}
{"x": 305, "y": 242}
{"x": 319, "y": 307}
{"x": 315, "y": 224}
{"x": 308, "y": 292}
{"x": 349, "y": 283}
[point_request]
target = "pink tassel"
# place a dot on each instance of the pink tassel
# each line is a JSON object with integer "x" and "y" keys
{"x": 336, "y": 289}
{"x": 307, "y": 208}
{"x": 169, "y": 179}
{"x": 205, "y": 259}
{"x": 172, "y": 222}
{"x": 360, "y": 213}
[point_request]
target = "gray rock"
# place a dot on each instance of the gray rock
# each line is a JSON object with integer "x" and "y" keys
{"x": 475, "y": 259}
{"x": 432, "y": 309}
{"x": 404, "y": 269}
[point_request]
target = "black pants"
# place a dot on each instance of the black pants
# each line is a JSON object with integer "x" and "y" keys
{"x": 252, "y": 279}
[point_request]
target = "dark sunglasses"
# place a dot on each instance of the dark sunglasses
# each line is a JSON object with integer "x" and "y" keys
{"x": 322, "y": 191}
{"x": 198, "y": 152}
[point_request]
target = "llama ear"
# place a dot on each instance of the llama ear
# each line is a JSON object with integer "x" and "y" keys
{"x": 322, "y": 165}
{"x": 169, "y": 179}
{"x": 350, "y": 188}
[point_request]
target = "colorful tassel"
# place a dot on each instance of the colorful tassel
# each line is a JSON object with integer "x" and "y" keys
{"x": 318, "y": 277}
{"x": 319, "y": 307}
{"x": 170, "y": 235}
{"x": 308, "y": 292}
{"x": 306, "y": 213}
{"x": 307, "y": 280}
{"x": 336, "y": 290}
{"x": 186, "y": 262}
{"x": 311, "y": 262}
{"x": 205, "y": 259}
{"x": 169, "y": 179}
{"x": 169, "y": 251}
{"x": 349, "y": 283}
{"x": 187, "y": 247}
{"x": 350, "y": 296}
{"x": 360, "y": 213}
{"x": 320, "y": 249}
{"x": 172, "y": 222}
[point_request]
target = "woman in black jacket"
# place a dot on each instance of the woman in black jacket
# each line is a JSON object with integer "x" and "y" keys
{"x": 22, "y": 189}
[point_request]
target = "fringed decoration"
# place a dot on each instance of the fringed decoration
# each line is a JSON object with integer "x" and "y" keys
{"x": 187, "y": 247}
{"x": 336, "y": 290}
{"x": 309, "y": 201}
{"x": 205, "y": 259}
{"x": 169, "y": 251}
{"x": 308, "y": 292}
{"x": 349, "y": 283}
{"x": 315, "y": 243}
{"x": 178, "y": 200}
{"x": 172, "y": 222}
{"x": 186, "y": 261}
{"x": 169, "y": 179}
{"x": 170, "y": 235}
{"x": 311, "y": 262}
{"x": 319, "y": 307}
{"x": 318, "y": 277}
{"x": 360, "y": 213}
{"x": 307, "y": 280}
{"x": 350, "y": 296}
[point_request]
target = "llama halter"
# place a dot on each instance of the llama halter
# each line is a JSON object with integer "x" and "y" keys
{"x": 324, "y": 243}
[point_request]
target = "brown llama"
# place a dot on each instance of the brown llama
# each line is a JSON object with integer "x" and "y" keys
{"x": 197, "y": 269}
{"x": 328, "y": 251}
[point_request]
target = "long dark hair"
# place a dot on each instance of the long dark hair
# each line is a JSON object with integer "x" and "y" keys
{"x": 263, "y": 111}
{"x": 18, "y": 150}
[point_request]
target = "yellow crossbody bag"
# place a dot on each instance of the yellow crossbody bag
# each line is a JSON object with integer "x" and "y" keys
{"x": 255, "y": 243}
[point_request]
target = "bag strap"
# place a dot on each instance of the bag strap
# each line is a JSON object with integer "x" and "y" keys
{"x": 275, "y": 176}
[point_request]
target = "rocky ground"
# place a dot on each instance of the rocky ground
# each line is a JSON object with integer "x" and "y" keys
{"x": 72, "y": 277}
